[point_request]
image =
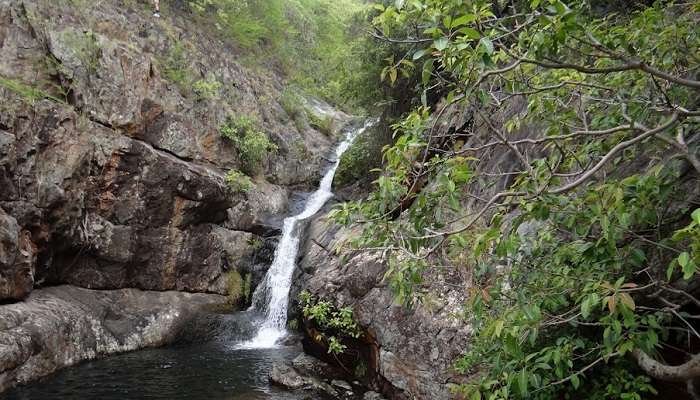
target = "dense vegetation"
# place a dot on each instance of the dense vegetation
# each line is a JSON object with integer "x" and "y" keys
{"x": 316, "y": 43}
{"x": 580, "y": 248}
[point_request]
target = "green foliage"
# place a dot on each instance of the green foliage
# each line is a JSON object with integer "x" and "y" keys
{"x": 321, "y": 124}
{"x": 238, "y": 182}
{"x": 360, "y": 161}
{"x": 334, "y": 324}
{"x": 176, "y": 68}
{"x": 252, "y": 144}
{"x": 206, "y": 88}
{"x": 29, "y": 94}
{"x": 319, "y": 44}
{"x": 569, "y": 252}
{"x": 86, "y": 48}
{"x": 234, "y": 287}
{"x": 291, "y": 102}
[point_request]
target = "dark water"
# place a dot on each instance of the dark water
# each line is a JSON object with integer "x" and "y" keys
{"x": 214, "y": 370}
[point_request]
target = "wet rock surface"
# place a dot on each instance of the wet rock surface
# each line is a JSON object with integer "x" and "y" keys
{"x": 308, "y": 374}
{"x": 112, "y": 176}
{"x": 61, "y": 326}
{"x": 411, "y": 351}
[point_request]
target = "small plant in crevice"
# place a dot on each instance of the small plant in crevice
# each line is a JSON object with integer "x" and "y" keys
{"x": 334, "y": 324}
{"x": 29, "y": 94}
{"x": 86, "y": 48}
{"x": 293, "y": 325}
{"x": 238, "y": 182}
{"x": 247, "y": 288}
{"x": 252, "y": 144}
{"x": 205, "y": 89}
{"x": 234, "y": 287}
{"x": 176, "y": 68}
{"x": 324, "y": 125}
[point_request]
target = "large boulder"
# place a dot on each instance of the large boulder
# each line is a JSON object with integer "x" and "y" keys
{"x": 411, "y": 351}
{"x": 112, "y": 173}
{"x": 61, "y": 326}
{"x": 17, "y": 256}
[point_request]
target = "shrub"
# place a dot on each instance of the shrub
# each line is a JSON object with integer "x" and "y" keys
{"x": 251, "y": 143}
{"x": 321, "y": 124}
{"x": 363, "y": 156}
{"x": 291, "y": 103}
{"x": 176, "y": 68}
{"x": 238, "y": 182}
{"x": 333, "y": 323}
{"x": 206, "y": 88}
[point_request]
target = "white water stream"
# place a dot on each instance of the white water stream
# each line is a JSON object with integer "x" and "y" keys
{"x": 272, "y": 294}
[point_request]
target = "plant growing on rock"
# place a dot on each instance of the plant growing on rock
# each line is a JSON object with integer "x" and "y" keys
{"x": 238, "y": 182}
{"x": 235, "y": 289}
{"x": 206, "y": 89}
{"x": 581, "y": 242}
{"x": 333, "y": 323}
{"x": 252, "y": 144}
{"x": 321, "y": 124}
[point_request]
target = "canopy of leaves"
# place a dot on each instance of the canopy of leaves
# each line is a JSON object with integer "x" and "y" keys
{"x": 581, "y": 251}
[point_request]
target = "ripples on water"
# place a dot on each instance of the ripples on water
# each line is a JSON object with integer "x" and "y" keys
{"x": 215, "y": 370}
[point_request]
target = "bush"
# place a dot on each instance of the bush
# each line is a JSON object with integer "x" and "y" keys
{"x": 364, "y": 155}
{"x": 333, "y": 323}
{"x": 206, "y": 88}
{"x": 321, "y": 124}
{"x": 176, "y": 68}
{"x": 252, "y": 144}
{"x": 238, "y": 182}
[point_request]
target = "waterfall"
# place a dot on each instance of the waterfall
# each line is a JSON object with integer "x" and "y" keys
{"x": 272, "y": 295}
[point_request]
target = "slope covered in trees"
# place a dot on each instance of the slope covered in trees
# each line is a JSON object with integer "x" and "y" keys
{"x": 551, "y": 158}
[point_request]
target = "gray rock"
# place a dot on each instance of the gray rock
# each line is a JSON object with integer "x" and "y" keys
{"x": 312, "y": 366}
{"x": 286, "y": 376}
{"x": 404, "y": 341}
{"x": 17, "y": 257}
{"x": 341, "y": 384}
{"x": 372, "y": 396}
{"x": 119, "y": 182}
{"x": 60, "y": 326}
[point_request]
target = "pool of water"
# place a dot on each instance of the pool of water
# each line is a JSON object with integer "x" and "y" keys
{"x": 213, "y": 370}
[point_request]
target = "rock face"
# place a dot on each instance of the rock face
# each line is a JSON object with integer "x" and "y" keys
{"x": 306, "y": 373}
{"x": 112, "y": 176}
{"x": 112, "y": 171}
{"x": 411, "y": 351}
{"x": 60, "y": 326}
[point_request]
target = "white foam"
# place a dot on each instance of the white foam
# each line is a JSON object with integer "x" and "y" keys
{"x": 272, "y": 294}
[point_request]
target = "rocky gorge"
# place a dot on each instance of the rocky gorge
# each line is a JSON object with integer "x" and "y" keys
{"x": 117, "y": 226}
{"x": 349, "y": 199}
{"x": 113, "y": 201}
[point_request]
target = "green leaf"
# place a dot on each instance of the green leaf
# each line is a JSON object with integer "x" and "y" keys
{"x": 585, "y": 308}
{"x": 427, "y": 71}
{"x": 687, "y": 265}
{"x": 575, "y": 382}
{"x": 471, "y": 33}
{"x": 522, "y": 382}
{"x": 696, "y": 216}
{"x": 487, "y": 45}
{"x": 441, "y": 43}
{"x": 463, "y": 20}
{"x": 420, "y": 53}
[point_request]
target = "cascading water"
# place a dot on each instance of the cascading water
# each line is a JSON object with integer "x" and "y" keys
{"x": 272, "y": 295}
